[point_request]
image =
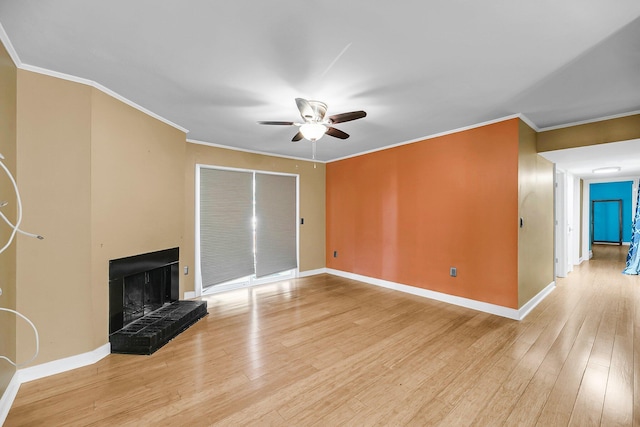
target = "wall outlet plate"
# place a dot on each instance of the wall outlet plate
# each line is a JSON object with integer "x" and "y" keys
{"x": 453, "y": 272}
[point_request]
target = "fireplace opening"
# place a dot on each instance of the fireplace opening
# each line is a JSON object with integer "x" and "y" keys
{"x": 144, "y": 310}
{"x": 141, "y": 284}
{"x": 146, "y": 292}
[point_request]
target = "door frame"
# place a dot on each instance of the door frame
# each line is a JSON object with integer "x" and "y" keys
{"x": 560, "y": 229}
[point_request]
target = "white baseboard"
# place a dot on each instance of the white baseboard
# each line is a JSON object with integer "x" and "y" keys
{"x": 62, "y": 365}
{"x": 189, "y": 295}
{"x": 7, "y": 398}
{"x": 312, "y": 272}
{"x": 44, "y": 370}
{"x": 485, "y": 307}
{"x": 533, "y": 302}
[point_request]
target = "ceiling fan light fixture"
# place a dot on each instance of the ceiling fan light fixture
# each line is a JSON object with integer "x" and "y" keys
{"x": 313, "y": 131}
{"x": 610, "y": 169}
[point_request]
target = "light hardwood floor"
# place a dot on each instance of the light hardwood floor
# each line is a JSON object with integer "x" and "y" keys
{"x": 329, "y": 351}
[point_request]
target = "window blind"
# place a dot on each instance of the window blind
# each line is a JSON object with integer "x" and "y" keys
{"x": 226, "y": 229}
{"x": 276, "y": 223}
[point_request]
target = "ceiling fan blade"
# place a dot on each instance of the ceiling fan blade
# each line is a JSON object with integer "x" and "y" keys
{"x": 347, "y": 117}
{"x": 277, "y": 123}
{"x": 306, "y": 110}
{"x": 336, "y": 133}
{"x": 297, "y": 137}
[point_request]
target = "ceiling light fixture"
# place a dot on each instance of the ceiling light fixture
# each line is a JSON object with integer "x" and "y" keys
{"x": 609, "y": 169}
{"x": 315, "y": 124}
{"x": 313, "y": 131}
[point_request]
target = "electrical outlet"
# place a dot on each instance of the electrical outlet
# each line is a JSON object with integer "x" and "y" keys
{"x": 453, "y": 272}
{"x": 0, "y": 291}
{"x": 335, "y": 254}
{"x": 186, "y": 270}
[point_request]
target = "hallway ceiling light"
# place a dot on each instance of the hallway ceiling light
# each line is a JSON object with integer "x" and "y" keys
{"x": 610, "y": 169}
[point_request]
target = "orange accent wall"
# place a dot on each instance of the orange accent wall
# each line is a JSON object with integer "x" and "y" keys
{"x": 407, "y": 214}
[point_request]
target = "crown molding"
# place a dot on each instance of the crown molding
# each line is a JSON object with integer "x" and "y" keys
{"x": 26, "y": 67}
{"x": 244, "y": 150}
{"x": 586, "y": 122}
{"x": 529, "y": 122}
{"x": 4, "y": 38}
{"x": 98, "y": 86}
{"x": 437, "y": 135}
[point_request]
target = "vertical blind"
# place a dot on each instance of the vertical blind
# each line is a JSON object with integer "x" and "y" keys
{"x": 227, "y": 234}
{"x": 276, "y": 220}
{"x": 226, "y": 229}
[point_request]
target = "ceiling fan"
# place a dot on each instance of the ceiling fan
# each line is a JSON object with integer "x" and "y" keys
{"x": 315, "y": 124}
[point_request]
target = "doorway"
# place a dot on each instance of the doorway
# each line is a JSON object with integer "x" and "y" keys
{"x": 606, "y": 221}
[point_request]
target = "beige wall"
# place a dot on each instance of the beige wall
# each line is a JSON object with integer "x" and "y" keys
{"x": 54, "y": 172}
{"x": 100, "y": 180}
{"x": 312, "y": 199}
{"x": 137, "y": 184}
{"x": 8, "y": 83}
{"x": 535, "y": 207}
{"x": 613, "y": 130}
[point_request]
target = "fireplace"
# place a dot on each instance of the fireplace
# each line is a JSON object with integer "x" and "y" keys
{"x": 144, "y": 310}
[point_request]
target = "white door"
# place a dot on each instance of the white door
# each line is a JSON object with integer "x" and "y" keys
{"x": 561, "y": 225}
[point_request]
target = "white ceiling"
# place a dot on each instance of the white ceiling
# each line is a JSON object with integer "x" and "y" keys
{"x": 417, "y": 67}
{"x": 582, "y": 161}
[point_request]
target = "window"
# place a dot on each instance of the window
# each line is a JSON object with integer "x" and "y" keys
{"x": 246, "y": 227}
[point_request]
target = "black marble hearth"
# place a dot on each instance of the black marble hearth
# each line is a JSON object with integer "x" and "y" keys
{"x": 149, "y": 333}
{"x": 144, "y": 310}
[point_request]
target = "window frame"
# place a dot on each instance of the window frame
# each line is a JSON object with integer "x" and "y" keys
{"x": 247, "y": 281}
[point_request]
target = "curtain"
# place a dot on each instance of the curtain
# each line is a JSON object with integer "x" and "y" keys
{"x": 226, "y": 225}
{"x": 276, "y": 223}
{"x": 633, "y": 258}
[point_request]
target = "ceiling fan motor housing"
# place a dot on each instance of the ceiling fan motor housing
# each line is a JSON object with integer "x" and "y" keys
{"x": 319, "y": 111}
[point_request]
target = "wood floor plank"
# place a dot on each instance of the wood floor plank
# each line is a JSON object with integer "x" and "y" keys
{"x": 560, "y": 403}
{"x": 618, "y": 403}
{"x": 325, "y": 350}
{"x": 587, "y": 410}
{"x": 502, "y": 404}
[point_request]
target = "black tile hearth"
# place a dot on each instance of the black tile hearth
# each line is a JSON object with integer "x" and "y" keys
{"x": 149, "y": 333}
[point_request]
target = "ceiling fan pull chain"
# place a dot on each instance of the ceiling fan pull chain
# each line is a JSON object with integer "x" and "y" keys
{"x": 313, "y": 148}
